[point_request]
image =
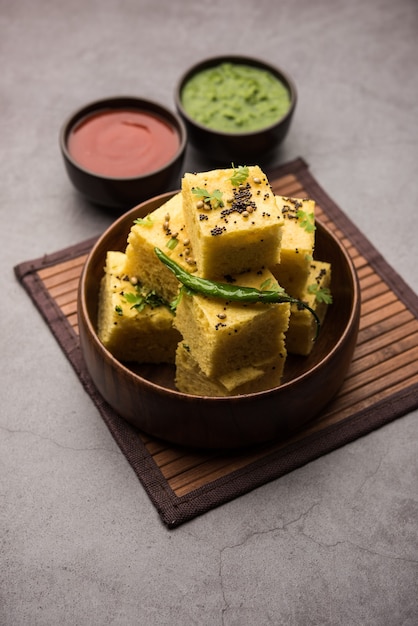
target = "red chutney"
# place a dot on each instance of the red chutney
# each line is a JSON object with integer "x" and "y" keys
{"x": 123, "y": 143}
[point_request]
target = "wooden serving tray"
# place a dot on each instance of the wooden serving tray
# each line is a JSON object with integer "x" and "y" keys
{"x": 381, "y": 385}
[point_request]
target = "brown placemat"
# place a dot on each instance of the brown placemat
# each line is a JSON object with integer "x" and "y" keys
{"x": 381, "y": 385}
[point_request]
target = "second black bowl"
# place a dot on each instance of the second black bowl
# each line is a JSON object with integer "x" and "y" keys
{"x": 243, "y": 147}
{"x": 121, "y": 188}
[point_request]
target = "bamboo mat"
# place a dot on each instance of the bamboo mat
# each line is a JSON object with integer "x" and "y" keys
{"x": 381, "y": 385}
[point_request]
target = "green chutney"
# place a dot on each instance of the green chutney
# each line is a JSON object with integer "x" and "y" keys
{"x": 235, "y": 98}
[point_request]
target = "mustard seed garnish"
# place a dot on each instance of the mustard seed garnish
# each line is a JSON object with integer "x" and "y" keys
{"x": 218, "y": 230}
{"x": 241, "y": 201}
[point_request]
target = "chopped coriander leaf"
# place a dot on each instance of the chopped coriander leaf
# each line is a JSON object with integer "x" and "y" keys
{"x": 172, "y": 243}
{"x": 240, "y": 174}
{"x": 270, "y": 284}
{"x": 174, "y": 304}
{"x": 307, "y": 220}
{"x": 139, "y": 299}
{"x": 144, "y": 221}
{"x": 322, "y": 294}
{"x": 214, "y": 198}
{"x": 118, "y": 310}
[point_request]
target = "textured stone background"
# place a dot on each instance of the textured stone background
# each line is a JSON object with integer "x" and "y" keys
{"x": 333, "y": 543}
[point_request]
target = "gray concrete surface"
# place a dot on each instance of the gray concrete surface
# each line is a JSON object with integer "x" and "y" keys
{"x": 333, "y": 543}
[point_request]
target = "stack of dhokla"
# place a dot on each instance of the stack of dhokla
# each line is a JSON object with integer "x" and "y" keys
{"x": 235, "y": 229}
{"x": 225, "y": 225}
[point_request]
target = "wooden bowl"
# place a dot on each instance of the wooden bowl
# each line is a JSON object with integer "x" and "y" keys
{"x": 146, "y": 397}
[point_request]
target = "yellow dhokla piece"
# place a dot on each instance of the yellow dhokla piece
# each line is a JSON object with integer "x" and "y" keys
{"x": 144, "y": 334}
{"x": 163, "y": 226}
{"x": 302, "y": 326}
{"x": 223, "y": 336}
{"x": 190, "y": 378}
{"x": 233, "y": 227}
{"x": 297, "y": 244}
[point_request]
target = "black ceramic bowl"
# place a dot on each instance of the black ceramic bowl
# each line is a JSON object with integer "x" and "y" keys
{"x": 152, "y": 133}
{"x": 245, "y": 147}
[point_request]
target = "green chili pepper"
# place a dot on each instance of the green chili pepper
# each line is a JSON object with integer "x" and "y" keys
{"x": 225, "y": 291}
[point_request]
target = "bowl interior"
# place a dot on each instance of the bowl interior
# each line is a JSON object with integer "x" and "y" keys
{"x": 339, "y": 316}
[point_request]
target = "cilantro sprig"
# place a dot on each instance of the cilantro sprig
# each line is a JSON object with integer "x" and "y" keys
{"x": 239, "y": 175}
{"x": 270, "y": 284}
{"x": 322, "y": 294}
{"x": 214, "y": 198}
{"x": 139, "y": 299}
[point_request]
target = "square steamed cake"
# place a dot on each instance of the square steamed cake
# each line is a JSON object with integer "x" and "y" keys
{"x": 237, "y": 227}
{"x": 297, "y": 244}
{"x": 226, "y": 335}
{"x": 164, "y": 228}
{"x": 251, "y": 379}
{"x": 302, "y": 325}
{"x": 143, "y": 333}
